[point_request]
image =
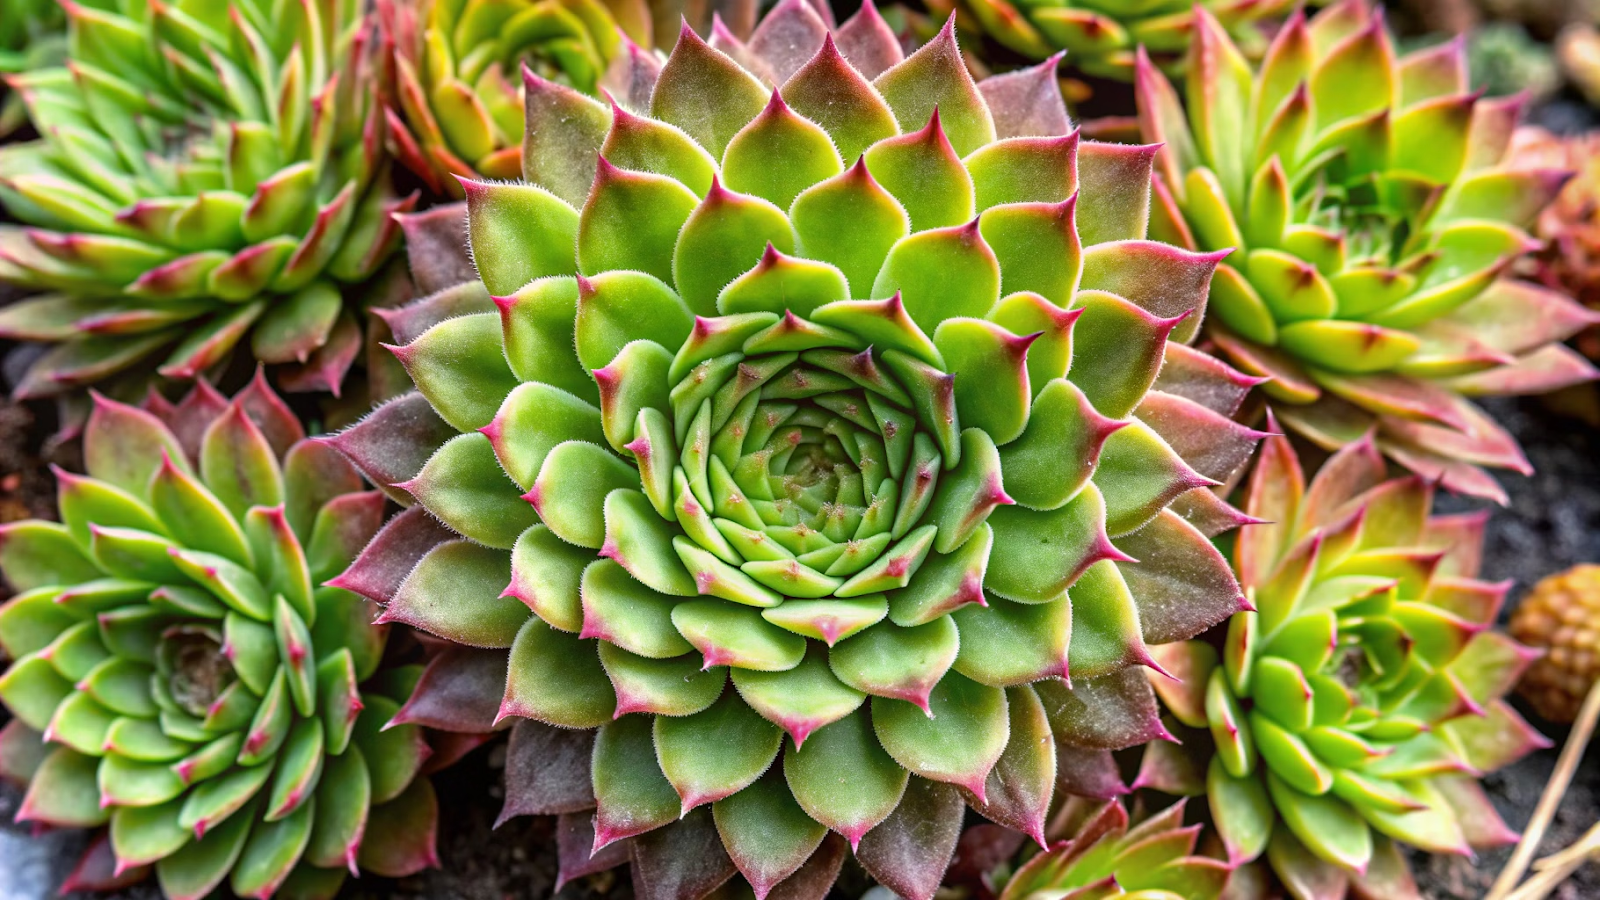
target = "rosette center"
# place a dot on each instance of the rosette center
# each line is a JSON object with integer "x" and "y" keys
{"x": 194, "y": 667}
{"x": 801, "y": 469}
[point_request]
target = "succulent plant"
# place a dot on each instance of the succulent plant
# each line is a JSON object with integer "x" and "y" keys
{"x": 1502, "y": 59}
{"x": 1361, "y": 700}
{"x": 1375, "y": 214}
{"x": 34, "y": 36}
{"x": 1559, "y": 616}
{"x": 457, "y": 107}
{"x": 1570, "y": 226}
{"x": 1101, "y": 856}
{"x": 863, "y": 407}
{"x": 1100, "y": 36}
{"x": 180, "y": 676}
{"x": 207, "y": 173}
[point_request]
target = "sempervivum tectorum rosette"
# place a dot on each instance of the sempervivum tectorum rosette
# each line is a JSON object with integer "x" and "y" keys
{"x": 808, "y": 454}
{"x": 179, "y": 675}
{"x": 1375, "y": 214}
{"x": 208, "y": 175}
{"x": 457, "y": 105}
{"x": 1100, "y": 36}
{"x": 1098, "y": 856}
{"x": 1362, "y": 699}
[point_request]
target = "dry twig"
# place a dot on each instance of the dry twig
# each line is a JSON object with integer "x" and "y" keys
{"x": 1505, "y": 886}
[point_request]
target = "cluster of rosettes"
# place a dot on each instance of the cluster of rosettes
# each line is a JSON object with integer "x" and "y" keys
{"x": 456, "y": 108}
{"x": 1374, "y": 213}
{"x": 827, "y": 425}
{"x": 209, "y": 175}
{"x": 1361, "y": 700}
{"x": 1100, "y": 36}
{"x": 181, "y": 676}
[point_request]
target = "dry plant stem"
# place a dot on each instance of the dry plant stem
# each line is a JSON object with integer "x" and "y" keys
{"x": 1552, "y": 870}
{"x": 1571, "y": 755}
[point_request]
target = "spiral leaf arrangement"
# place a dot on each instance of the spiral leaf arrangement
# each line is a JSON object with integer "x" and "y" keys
{"x": 828, "y": 419}
{"x": 179, "y": 675}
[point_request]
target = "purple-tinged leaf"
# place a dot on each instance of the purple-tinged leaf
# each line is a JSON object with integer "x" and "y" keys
{"x": 99, "y": 870}
{"x": 124, "y": 445}
{"x": 189, "y": 418}
{"x": 1214, "y": 445}
{"x": 1162, "y": 121}
{"x": 547, "y": 773}
{"x": 411, "y": 320}
{"x": 1204, "y": 379}
{"x": 1027, "y": 102}
{"x": 436, "y": 245}
{"x": 455, "y": 593}
{"x": 1209, "y": 513}
{"x": 391, "y": 555}
{"x": 446, "y": 748}
{"x": 682, "y": 861}
{"x": 1305, "y": 875}
{"x": 910, "y": 851}
{"x": 816, "y": 878}
{"x": 705, "y": 93}
{"x": 1022, "y": 783}
{"x": 1549, "y": 368}
{"x": 935, "y": 76}
{"x": 630, "y": 80}
{"x": 766, "y": 833}
{"x": 1517, "y": 317}
{"x": 1461, "y": 536}
{"x": 401, "y": 835}
{"x": 1480, "y": 822}
{"x": 458, "y": 691}
{"x": 1277, "y": 485}
{"x": 1106, "y": 713}
{"x": 1181, "y": 583}
{"x": 1114, "y": 206}
{"x": 868, "y": 43}
{"x": 1189, "y": 665}
{"x": 1388, "y": 875}
{"x": 391, "y": 444}
{"x": 575, "y": 854}
{"x": 787, "y": 37}
{"x": 1493, "y": 740}
{"x": 1170, "y": 769}
{"x": 980, "y": 852}
{"x": 1088, "y": 773}
{"x": 1349, "y": 473}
